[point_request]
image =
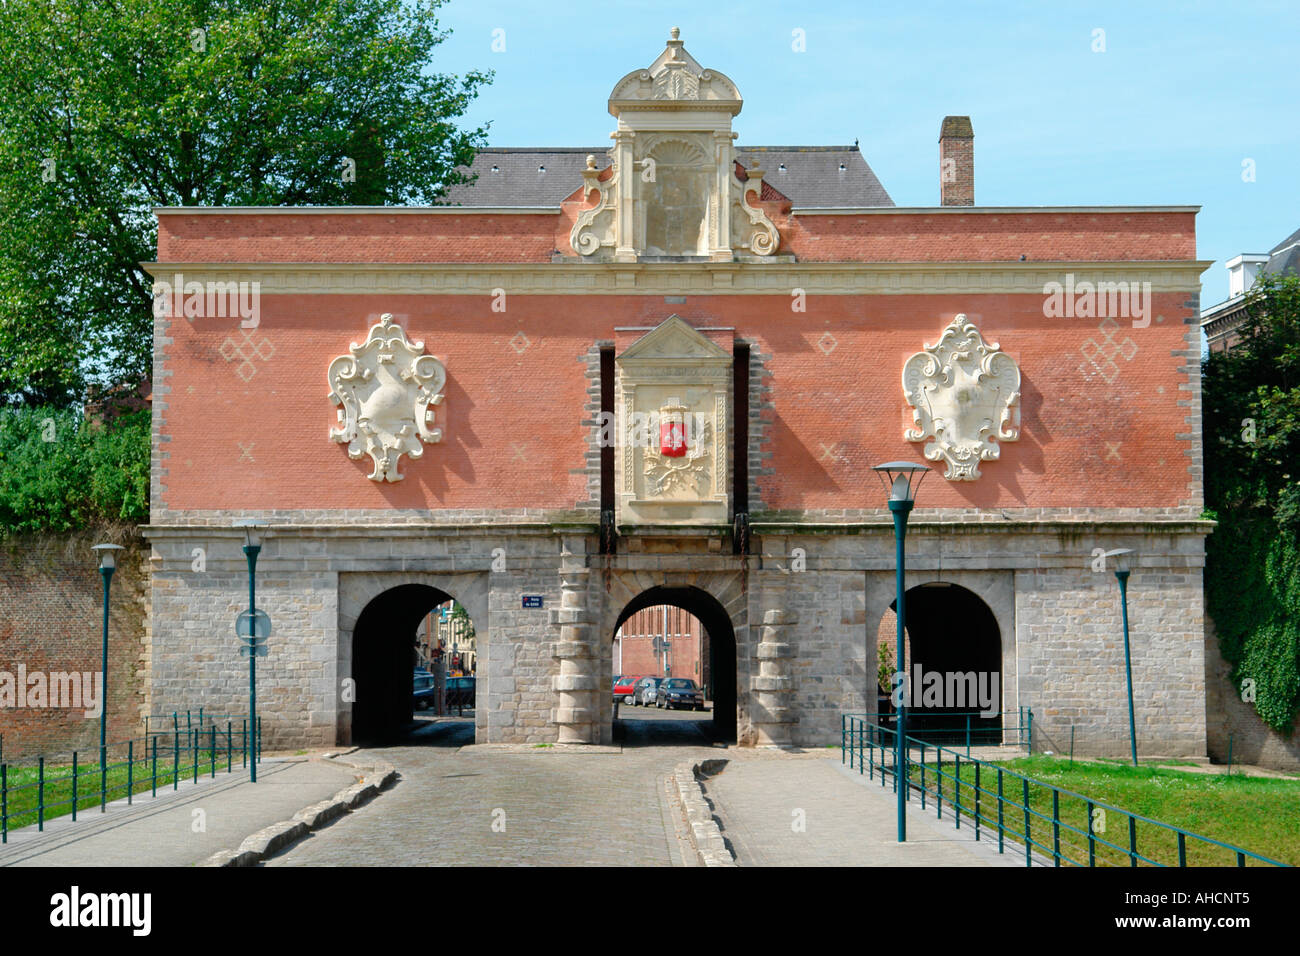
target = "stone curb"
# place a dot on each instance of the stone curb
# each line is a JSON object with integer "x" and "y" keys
{"x": 269, "y": 840}
{"x": 709, "y": 845}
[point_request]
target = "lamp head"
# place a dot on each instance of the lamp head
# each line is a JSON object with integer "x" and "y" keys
{"x": 901, "y": 479}
{"x": 1125, "y": 558}
{"x": 107, "y": 555}
{"x": 252, "y": 531}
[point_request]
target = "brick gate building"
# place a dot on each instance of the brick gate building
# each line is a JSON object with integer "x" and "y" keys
{"x": 659, "y": 373}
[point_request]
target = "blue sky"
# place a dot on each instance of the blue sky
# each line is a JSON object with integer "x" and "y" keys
{"x": 1182, "y": 95}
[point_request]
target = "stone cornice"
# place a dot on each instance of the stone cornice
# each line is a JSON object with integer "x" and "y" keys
{"x": 986, "y": 210}
{"x": 698, "y": 278}
{"x": 356, "y": 210}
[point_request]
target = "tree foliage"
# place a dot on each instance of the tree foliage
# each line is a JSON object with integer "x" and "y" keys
{"x": 109, "y": 108}
{"x": 59, "y": 472}
{"x": 1251, "y": 409}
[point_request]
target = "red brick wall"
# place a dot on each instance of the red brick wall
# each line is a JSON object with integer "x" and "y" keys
{"x": 51, "y": 619}
{"x": 356, "y": 237}
{"x": 513, "y": 418}
{"x": 515, "y": 237}
{"x": 684, "y": 650}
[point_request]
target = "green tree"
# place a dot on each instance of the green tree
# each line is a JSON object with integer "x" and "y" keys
{"x": 59, "y": 472}
{"x": 1251, "y": 414}
{"x": 111, "y": 107}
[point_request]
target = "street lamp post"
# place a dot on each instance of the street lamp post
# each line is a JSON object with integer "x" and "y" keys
{"x": 107, "y": 564}
{"x": 1123, "y": 566}
{"x": 252, "y": 548}
{"x": 901, "y": 479}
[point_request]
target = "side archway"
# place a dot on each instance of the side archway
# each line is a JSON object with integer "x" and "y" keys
{"x": 954, "y": 656}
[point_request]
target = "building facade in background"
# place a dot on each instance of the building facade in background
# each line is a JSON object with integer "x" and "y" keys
{"x": 663, "y": 641}
{"x": 1222, "y": 322}
{"x": 659, "y": 373}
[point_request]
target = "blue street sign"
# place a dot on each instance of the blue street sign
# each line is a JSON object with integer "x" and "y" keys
{"x": 532, "y": 600}
{"x": 245, "y": 627}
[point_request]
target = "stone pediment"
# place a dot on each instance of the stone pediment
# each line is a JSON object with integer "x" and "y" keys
{"x": 675, "y": 78}
{"x": 674, "y": 341}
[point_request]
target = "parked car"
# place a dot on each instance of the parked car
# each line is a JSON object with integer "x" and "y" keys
{"x": 460, "y": 691}
{"x": 423, "y": 694}
{"x": 679, "y": 692}
{"x": 645, "y": 691}
{"x": 623, "y": 688}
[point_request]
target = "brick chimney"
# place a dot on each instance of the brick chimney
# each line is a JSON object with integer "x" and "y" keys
{"x": 956, "y": 162}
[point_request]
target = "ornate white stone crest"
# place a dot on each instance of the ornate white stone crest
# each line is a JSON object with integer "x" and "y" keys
{"x": 670, "y": 464}
{"x": 964, "y": 393}
{"x": 385, "y": 388}
{"x": 677, "y": 457}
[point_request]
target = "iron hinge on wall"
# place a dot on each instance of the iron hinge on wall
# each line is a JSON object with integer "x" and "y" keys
{"x": 740, "y": 533}
{"x": 608, "y": 533}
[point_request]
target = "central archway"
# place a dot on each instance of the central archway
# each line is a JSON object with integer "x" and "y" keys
{"x": 718, "y": 671}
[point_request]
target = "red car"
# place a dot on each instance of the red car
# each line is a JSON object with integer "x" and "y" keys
{"x": 623, "y": 688}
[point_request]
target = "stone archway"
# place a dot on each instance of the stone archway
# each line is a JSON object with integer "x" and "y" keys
{"x": 954, "y": 659}
{"x": 721, "y": 642}
{"x": 719, "y": 600}
{"x": 378, "y": 615}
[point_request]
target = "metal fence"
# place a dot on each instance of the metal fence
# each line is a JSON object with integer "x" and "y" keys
{"x": 59, "y": 784}
{"x": 1041, "y": 820}
{"x": 966, "y": 729}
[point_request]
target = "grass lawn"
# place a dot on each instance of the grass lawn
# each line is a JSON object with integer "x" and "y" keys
{"x": 22, "y": 790}
{"x": 1258, "y": 814}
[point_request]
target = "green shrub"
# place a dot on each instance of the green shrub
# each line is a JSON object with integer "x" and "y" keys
{"x": 59, "y": 472}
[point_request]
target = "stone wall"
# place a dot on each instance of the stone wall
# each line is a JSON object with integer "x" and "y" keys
{"x": 805, "y": 611}
{"x": 51, "y": 619}
{"x": 1231, "y": 721}
{"x": 1072, "y": 658}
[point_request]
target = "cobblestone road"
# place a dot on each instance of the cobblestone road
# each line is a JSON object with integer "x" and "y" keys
{"x": 496, "y": 805}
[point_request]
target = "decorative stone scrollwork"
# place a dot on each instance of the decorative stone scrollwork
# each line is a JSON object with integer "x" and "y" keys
{"x": 750, "y": 227}
{"x": 594, "y": 227}
{"x": 385, "y": 389}
{"x": 965, "y": 394}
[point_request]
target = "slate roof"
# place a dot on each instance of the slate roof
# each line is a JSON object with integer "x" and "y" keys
{"x": 810, "y": 176}
{"x": 1285, "y": 256}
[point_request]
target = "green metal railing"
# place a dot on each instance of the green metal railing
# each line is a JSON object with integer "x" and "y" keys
{"x": 59, "y": 784}
{"x": 966, "y": 729}
{"x": 1055, "y": 825}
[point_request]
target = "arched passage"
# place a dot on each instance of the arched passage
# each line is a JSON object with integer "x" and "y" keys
{"x": 384, "y": 657}
{"x": 953, "y": 657}
{"x": 718, "y": 670}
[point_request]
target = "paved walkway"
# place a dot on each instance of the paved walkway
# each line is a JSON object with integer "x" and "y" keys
{"x": 499, "y": 805}
{"x": 161, "y": 831}
{"x": 814, "y": 812}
